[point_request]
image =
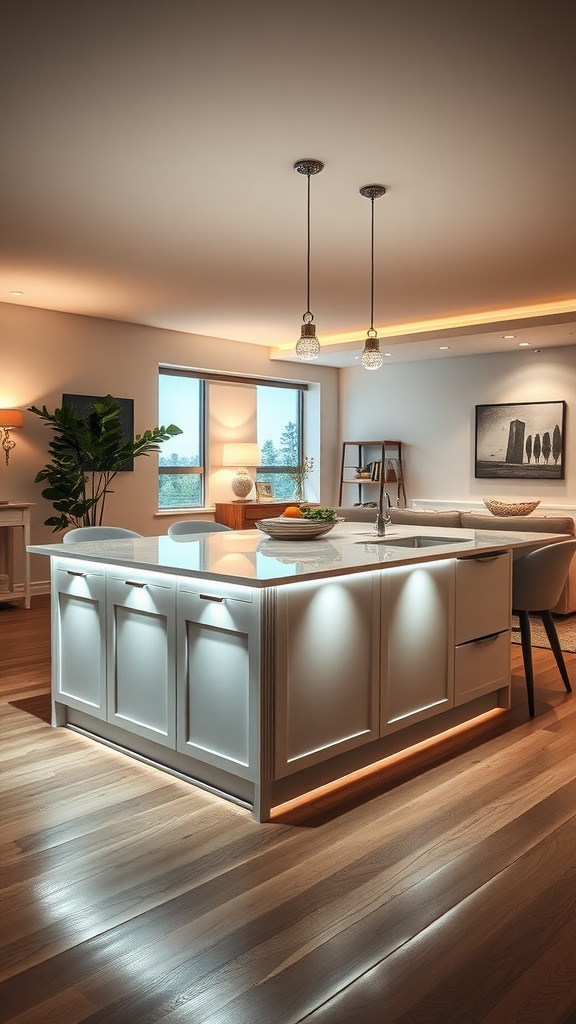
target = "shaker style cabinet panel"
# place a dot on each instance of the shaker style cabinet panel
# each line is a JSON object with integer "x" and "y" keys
{"x": 218, "y": 658}
{"x": 79, "y": 638}
{"x": 482, "y": 633}
{"x": 483, "y": 595}
{"x": 327, "y": 660}
{"x": 481, "y": 666}
{"x": 141, "y": 611}
{"x": 417, "y": 673}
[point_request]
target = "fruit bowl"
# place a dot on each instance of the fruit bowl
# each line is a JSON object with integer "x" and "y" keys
{"x": 296, "y": 529}
{"x": 510, "y": 508}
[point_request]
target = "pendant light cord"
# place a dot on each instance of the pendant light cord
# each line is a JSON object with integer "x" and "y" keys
{"x": 308, "y": 257}
{"x": 372, "y": 270}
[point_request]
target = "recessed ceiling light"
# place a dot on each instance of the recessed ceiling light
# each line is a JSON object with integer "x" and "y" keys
{"x": 387, "y": 353}
{"x": 16, "y": 292}
{"x": 508, "y": 336}
{"x": 443, "y": 348}
{"x": 523, "y": 344}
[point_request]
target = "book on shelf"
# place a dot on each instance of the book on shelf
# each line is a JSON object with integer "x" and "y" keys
{"x": 376, "y": 470}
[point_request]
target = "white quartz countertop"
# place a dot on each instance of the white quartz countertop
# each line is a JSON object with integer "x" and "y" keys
{"x": 250, "y": 558}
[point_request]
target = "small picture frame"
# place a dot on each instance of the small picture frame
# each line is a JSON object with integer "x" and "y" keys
{"x": 264, "y": 490}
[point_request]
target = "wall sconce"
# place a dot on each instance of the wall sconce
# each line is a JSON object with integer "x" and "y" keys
{"x": 241, "y": 454}
{"x": 9, "y": 419}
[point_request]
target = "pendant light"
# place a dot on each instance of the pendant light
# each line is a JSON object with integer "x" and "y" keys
{"x": 308, "y": 346}
{"x": 372, "y": 356}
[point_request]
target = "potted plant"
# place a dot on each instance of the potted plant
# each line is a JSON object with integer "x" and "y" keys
{"x": 86, "y": 454}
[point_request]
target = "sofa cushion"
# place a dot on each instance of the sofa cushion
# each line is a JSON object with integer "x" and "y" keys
{"x": 522, "y": 524}
{"x": 358, "y": 514}
{"x": 422, "y": 517}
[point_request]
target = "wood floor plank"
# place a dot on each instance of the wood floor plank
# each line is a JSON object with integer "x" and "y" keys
{"x": 131, "y": 896}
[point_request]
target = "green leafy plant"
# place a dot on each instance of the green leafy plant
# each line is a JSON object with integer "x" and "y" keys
{"x": 322, "y": 514}
{"x": 86, "y": 454}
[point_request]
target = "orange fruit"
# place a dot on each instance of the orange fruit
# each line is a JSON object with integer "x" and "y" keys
{"x": 292, "y": 512}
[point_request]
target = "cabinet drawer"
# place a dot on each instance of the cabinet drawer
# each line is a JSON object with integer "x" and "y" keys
{"x": 483, "y": 596}
{"x": 79, "y": 638}
{"x": 481, "y": 666}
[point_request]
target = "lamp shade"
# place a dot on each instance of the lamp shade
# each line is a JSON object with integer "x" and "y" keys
{"x": 241, "y": 453}
{"x": 11, "y": 418}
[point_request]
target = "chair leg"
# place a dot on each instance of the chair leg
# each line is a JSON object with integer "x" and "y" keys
{"x": 525, "y": 636}
{"x": 555, "y": 645}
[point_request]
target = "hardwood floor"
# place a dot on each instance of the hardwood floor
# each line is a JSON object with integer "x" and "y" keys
{"x": 441, "y": 888}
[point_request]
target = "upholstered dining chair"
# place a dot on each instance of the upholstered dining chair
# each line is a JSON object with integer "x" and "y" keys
{"x": 537, "y": 581}
{"x": 189, "y": 527}
{"x": 82, "y": 533}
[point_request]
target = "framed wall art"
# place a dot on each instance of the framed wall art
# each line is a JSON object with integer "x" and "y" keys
{"x": 84, "y": 405}
{"x": 520, "y": 441}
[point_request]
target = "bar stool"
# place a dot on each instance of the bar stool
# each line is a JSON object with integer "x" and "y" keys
{"x": 185, "y": 528}
{"x": 537, "y": 581}
{"x": 82, "y": 533}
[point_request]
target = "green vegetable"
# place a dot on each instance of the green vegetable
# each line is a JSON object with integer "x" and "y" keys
{"x": 323, "y": 514}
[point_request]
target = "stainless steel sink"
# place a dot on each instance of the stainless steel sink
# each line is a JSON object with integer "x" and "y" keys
{"x": 419, "y": 542}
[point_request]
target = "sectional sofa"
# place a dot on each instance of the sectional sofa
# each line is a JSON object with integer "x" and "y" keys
{"x": 482, "y": 521}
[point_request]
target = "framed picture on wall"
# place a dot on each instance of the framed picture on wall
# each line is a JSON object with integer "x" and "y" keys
{"x": 84, "y": 405}
{"x": 264, "y": 490}
{"x": 520, "y": 441}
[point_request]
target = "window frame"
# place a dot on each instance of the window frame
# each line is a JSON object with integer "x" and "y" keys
{"x": 207, "y": 377}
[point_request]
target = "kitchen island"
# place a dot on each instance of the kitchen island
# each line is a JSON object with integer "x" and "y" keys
{"x": 263, "y": 669}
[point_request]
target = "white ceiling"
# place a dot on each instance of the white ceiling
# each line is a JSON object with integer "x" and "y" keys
{"x": 147, "y": 165}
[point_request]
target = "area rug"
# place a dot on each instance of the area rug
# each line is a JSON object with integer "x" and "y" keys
{"x": 565, "y": 627}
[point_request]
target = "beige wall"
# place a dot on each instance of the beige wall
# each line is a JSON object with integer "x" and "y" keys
{"x": 430, "y": 406}
{"x": 45, "y": 354}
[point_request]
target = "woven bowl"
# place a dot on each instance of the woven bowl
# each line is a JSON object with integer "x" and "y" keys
{"x": 296, "y": 529}
{"x": 510, "y": 508}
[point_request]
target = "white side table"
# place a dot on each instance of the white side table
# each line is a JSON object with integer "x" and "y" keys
{"x": 15, "y": 527}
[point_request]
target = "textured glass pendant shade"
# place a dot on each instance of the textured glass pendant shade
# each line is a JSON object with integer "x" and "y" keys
{"x": 308, "y": 346}
{"x": 372, "y": 356}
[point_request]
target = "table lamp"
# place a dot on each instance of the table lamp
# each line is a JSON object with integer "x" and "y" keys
{"x": 241, "y": 454}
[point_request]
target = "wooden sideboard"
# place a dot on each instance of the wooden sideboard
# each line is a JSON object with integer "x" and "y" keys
{"x": 14, "y": 516}
{"x": 241, "y": 515}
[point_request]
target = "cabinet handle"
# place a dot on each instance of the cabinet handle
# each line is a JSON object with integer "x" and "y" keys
{"x": 71, "y": 572}
{"x": 211, "y": 597}
{"x": 490, "y": 556}
{"x": 134, "y": 583}
{"x": 487, "y": 639}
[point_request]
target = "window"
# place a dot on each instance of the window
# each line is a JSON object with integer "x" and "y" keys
{"x": 279, "y": 413}
{"x": 185, "y": 398}
{"x": 181, "y": 464}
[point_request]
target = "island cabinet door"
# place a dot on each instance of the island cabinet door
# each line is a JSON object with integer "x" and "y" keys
{"x": 79, "y": 637}
{"x": 217, "y": 676}
{"x": 483, "y": 603}
{"x": 141, "y": 610}
{"x": 327, "y": 669}
{"x": 417, "y": 643}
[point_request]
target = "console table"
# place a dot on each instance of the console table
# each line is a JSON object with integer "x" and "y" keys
{"x": 241, "y": 515}
{"x": 14, "y": 518}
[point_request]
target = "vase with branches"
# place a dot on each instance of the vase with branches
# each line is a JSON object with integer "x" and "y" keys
{"x": 86, "y": 453}
{"x": 299, "y": 474}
